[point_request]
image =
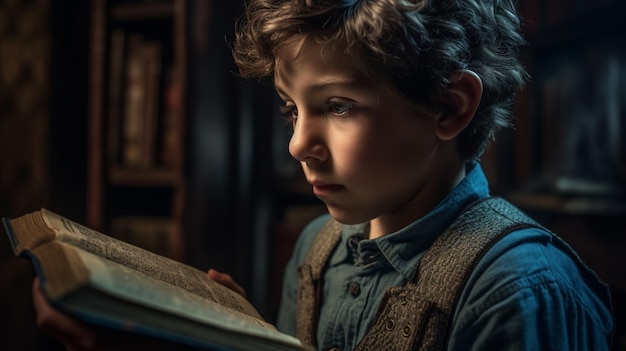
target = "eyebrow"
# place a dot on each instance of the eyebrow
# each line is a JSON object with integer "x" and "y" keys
{"x": 324, "y": 85}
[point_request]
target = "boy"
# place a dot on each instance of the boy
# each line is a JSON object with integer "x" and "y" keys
{"x": 392, "y": 103}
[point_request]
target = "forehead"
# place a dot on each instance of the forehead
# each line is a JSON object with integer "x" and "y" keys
{"x": 307, "y": 60}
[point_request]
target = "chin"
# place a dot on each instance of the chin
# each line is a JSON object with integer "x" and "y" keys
{"x": 345, "y": 217}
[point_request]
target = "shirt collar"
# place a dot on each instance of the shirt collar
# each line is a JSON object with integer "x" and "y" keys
{"x": 404, "y": 248}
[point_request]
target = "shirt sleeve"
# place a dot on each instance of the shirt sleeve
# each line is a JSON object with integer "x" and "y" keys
{"x": 532, "y": 296}
{"x": 286, "y": 320}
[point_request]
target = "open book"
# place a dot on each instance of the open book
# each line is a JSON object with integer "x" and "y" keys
{"x": 105, "y": 281}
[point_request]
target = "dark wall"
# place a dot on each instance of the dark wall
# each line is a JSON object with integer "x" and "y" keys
{"x": 69, "y": 106}
{"x": 229, "y": 142}
{"x": 43, "y": 84}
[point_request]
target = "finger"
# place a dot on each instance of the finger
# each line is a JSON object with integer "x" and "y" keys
{"x": 69, "y": 331}
{"x": 226, "y": 280}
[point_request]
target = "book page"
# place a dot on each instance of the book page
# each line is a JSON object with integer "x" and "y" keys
{"x": 157, "y": 267}
{"x": 123, "y": 282}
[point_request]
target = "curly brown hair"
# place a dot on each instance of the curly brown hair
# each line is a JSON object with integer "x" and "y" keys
{"x": 414, "y": 45}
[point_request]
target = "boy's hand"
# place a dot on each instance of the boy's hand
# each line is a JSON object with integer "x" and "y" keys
{"x": 70, "y": 332}
{"x": 226, "y": 280}
{"x": 78, "y": 336}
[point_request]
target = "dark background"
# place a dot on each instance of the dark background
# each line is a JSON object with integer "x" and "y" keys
{"x": 242, "y": 211}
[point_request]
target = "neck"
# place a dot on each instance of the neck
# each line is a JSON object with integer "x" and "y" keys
{"x": 427, "y": 198}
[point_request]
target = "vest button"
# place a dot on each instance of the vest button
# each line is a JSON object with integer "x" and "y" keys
{"x": 390, "y": 324}
{"x": 355, "y": 289}
{"x": 406, "y": 331}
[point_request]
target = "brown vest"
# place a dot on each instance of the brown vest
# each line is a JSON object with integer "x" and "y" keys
{"x": 416, "y": 316}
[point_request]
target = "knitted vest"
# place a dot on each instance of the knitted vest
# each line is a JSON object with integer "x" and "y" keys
{"x": 416, "y": 316}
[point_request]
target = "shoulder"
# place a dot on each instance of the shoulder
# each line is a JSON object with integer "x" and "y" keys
{"x": 531, "y": 255}
{"x": 526, "y": 283}
{"x": 536, "y": 259}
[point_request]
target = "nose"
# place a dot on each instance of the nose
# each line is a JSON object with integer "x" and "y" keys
{"x": 307, "y": 141}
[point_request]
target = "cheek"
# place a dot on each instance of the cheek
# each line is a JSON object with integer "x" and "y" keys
{"x": 414, "y": 142}
{"x": 412, "y": 149}
{"x": 384, "y": 155}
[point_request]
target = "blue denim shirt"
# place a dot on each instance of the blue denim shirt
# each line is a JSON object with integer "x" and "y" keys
{"x": 525, "y": 293}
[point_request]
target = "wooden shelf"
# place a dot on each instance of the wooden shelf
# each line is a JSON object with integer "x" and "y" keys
{"x": 569, "y": 124}
{"x": 145, "y": 177}
{"x": 570, "y": 205}
{"x": 142, "y": 11}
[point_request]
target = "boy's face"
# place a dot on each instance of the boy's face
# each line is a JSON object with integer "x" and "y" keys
{"x": 367, "y": 155}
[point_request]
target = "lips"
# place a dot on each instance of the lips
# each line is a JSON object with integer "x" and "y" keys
{"x": 321, "y": 188}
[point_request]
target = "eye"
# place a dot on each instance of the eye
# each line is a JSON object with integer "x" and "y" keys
{"x": 289, "y": 113}
{"x": 340, "y": 108}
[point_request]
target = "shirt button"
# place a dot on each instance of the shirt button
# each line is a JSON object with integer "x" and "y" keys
{"x": 355, "y": 289}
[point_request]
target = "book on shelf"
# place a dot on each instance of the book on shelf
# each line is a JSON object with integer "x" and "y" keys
{"x": 107, "y": 282}
{"x": 581, "y": 120}
{"x": 171, "y": 133}
{"x": 140, "y": 113}
{"x": 116, "y": 83}
{"x": 155, "y": 234}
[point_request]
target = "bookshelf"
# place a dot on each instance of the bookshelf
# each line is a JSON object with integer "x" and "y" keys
{"x": 137, "y": 77}
{"x": 569, "y": 143}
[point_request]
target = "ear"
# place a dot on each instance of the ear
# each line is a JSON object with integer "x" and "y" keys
{"x": 464, "y": 92}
